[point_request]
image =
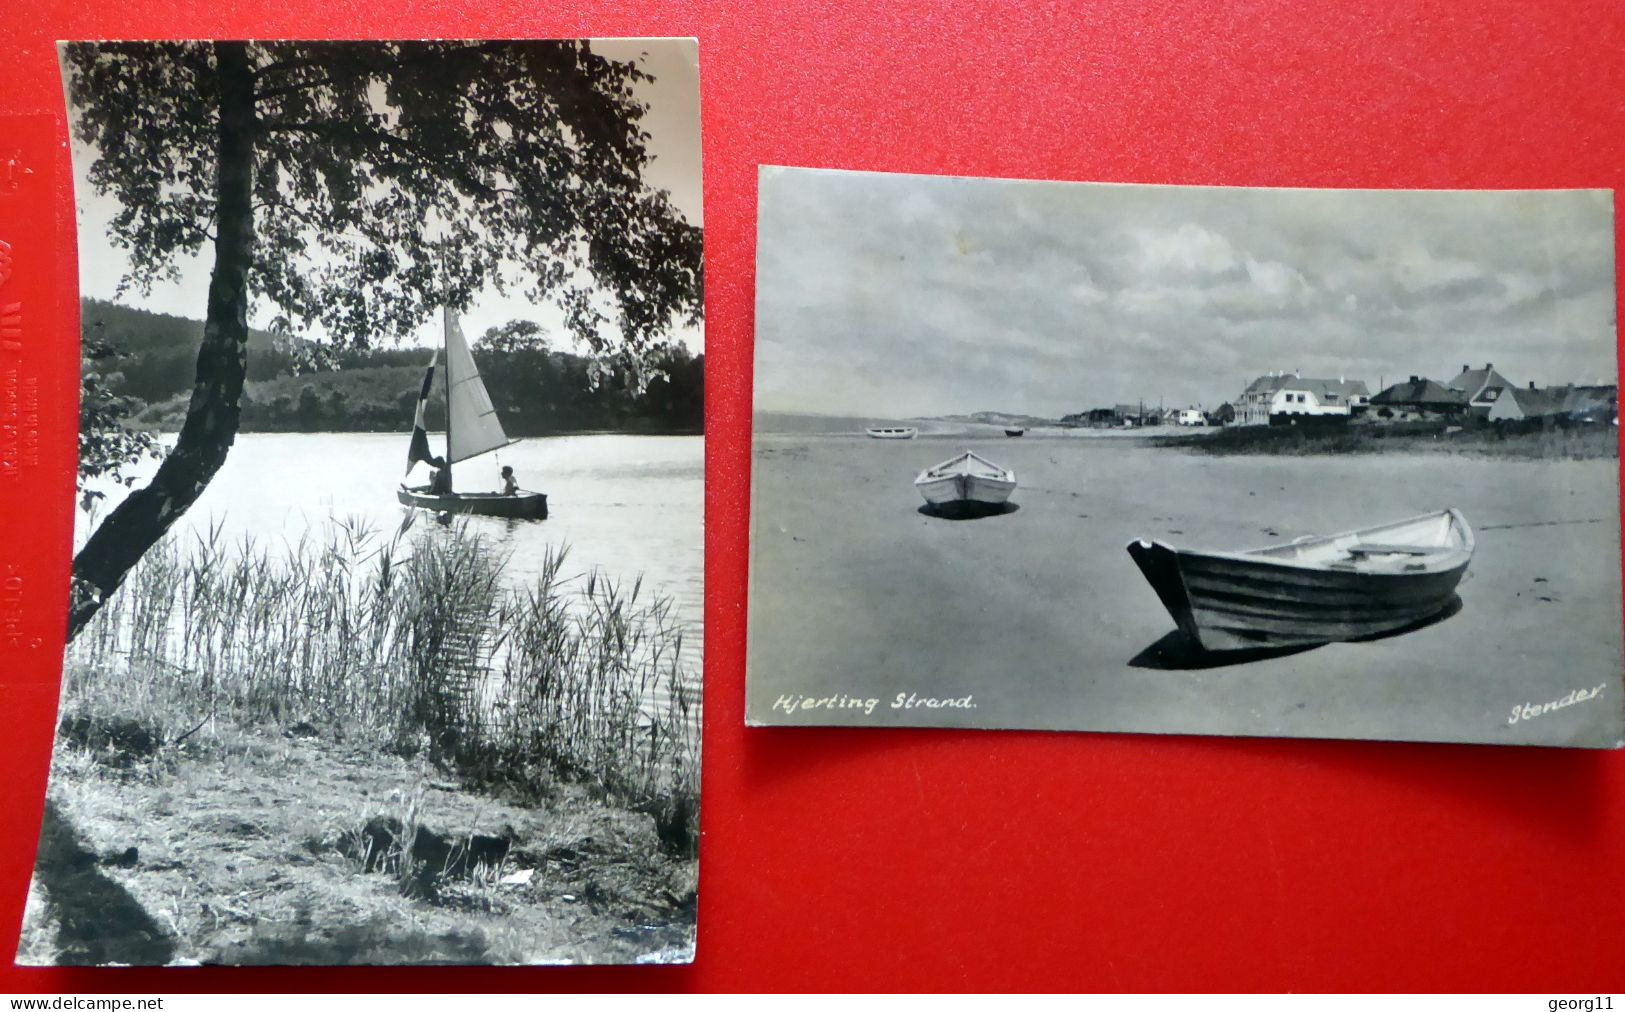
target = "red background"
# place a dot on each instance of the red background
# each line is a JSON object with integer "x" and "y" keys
{"x": 936, "y": 859}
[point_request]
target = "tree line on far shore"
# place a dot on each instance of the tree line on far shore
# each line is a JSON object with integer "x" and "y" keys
{"x": 143, "y": 363}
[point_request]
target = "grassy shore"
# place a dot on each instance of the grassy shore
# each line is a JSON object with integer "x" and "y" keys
{"x": 1580, "y": 442}
{"x": 366, "y": 748}
{"x": 250, "y": 847}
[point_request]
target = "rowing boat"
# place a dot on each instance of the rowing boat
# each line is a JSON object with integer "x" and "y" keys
{"x": 968, "y": 483}
{"x": 1013, "y": 433}
{"x": 896, "y": 432}
{"x": 1319, "y": 589}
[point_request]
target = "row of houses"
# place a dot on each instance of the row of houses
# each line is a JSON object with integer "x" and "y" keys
{"x": 1129, "y": 416}
{"x": 1482, "y": 394}
{"x": 1289, "y": 398}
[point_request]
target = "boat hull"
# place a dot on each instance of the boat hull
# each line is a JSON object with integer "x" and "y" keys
{"x": 968, "y": 485}
{"x": 1238, "y": 601}
{"x": 1015, "y": 433}
{"x": 524, "y": 506}
{"x": 966, "y": 488}
{"x": 891, "y": 433}
{"x": 965, "y": 495}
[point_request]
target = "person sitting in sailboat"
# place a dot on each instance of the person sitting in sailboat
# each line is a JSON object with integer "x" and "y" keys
{"x": 472, "y": 428}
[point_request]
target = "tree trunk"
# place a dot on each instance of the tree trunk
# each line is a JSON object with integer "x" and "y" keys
{"x": 211, "y": 418}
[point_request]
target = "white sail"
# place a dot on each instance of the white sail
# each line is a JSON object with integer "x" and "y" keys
{"x": 472, "y": 427}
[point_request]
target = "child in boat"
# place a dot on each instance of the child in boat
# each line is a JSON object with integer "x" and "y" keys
{"x": 510, "y": 484}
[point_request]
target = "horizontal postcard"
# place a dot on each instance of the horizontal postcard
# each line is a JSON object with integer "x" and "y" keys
{"x": 384, "y": 638}
{"x": 1309, "y": 463}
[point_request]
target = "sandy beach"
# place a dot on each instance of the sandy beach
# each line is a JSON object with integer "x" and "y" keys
{"x": 1040, "y": 616}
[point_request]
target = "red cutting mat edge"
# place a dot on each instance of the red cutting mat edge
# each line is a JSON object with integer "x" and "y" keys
{"x": 934, "y": 859}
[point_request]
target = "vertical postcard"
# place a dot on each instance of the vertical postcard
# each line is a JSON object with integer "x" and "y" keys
{"x": 1201, "y": 460}
{"x": 385, "y": 624}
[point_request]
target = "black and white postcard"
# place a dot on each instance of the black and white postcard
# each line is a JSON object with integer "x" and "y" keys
{"x": 1308, "y": 463}
{"x": 385, "y": 627}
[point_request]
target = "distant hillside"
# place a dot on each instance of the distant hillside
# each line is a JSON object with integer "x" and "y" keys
{"x": 787, "y": 422}
{"x": 368, "y": 399}
{"x": 1006, "y": 419}
{"x": 151, "y": 359}
{"x": 143, "y": 330}
{"x": 155, "y": 354}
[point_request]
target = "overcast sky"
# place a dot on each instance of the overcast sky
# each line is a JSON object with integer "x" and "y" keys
{"x": 673, "y": 123}
{"x": 894, "y": 295}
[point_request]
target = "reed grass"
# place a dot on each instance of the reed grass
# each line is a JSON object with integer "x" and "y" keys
{"x": 412, "y": 639}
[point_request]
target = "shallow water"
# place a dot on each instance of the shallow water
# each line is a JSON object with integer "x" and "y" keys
{"x": 1041, "y": 616}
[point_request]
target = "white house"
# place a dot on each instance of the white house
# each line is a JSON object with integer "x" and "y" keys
{"x": 1278, "y": 397}
{"x": 1190, "y": 416}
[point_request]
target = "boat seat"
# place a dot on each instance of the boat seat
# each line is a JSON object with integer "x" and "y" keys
{"x": 1376, "y": 548}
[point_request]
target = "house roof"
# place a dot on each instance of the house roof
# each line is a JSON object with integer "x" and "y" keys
{"x": 1343, "y": 388}
{"x": 1535, "y": 403}
{"x": 1422, "y": 391}
{"x": 1581, "y": 400}
{"x": 1567, "y": 400}
{"x": 1474, "y": 380}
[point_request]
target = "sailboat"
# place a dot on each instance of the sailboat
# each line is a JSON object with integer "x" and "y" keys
{"x": 472, "y": 429}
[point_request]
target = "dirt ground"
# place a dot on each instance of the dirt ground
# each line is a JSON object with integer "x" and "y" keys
{"x": 241, "y": 848}
{"x": 1041, "y": 617}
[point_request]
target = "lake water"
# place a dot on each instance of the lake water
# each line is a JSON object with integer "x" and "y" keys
{"x": 625, "y": 505}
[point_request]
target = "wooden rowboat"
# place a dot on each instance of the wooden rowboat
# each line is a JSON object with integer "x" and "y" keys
{"x": 898, "y": 432}
{"x": 523, "y": 506}
{"x": 1323, "y": 589}
{"x": 968, "y": 483}
{"x": 1013, "y": 433}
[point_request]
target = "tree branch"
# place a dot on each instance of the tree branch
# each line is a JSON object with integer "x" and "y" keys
{"x": 202, "y": 233}
{"x": 373, "y": 70}
{"x": 360, "y": 136}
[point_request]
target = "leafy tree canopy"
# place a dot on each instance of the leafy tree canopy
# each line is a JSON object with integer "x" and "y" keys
{"x": 391, "y": 178}
{"x": 107, "y": 446}
{"x": 358, "y": 186}
{"x": 513, "y": 336}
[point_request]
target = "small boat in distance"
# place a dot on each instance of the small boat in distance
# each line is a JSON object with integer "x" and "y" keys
{"x": 1013, "y": 433}
{"x": 1323, "y": 589}
{"x": 472, "y": 428}
{"x": 896, "y": 432}
{"x": 968, "y": 484}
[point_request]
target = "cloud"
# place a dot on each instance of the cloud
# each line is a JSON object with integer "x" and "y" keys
{"x": 1189, "y": 249}
{"x": 922, "y": 295}
{"x": 1085, "y": 291}
{"x": 1276, "y": 280}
